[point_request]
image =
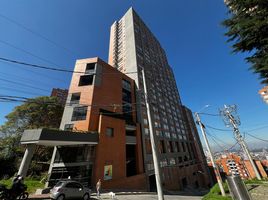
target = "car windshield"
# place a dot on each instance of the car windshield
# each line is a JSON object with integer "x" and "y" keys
{"x": 58, "y": 184}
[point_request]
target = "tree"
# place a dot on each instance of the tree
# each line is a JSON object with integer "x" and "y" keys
{"x": 248, "y": 30}
{"x": 40, "y": 112}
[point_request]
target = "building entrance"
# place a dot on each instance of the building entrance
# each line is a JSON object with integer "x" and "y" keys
{"x": 152, "y": 183}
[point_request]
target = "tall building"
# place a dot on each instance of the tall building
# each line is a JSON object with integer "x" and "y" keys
{"x": 264, "y": 93}
{"x": 104, "y": 132}
{"x": 133, "y": 47}
{"x": 61, "y": 94}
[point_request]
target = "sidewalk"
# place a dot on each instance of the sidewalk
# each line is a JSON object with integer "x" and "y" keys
{"x": 106, "y": 193}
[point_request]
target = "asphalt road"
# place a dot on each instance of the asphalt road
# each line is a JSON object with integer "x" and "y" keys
{"x": 148, "y": 197}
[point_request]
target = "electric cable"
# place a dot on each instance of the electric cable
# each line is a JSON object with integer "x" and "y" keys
{"x": 19, "y": 91}
{"x": 43, "y": 75}
{"x": 23, "y": 84}
{"x": 256, "y": 137}
{"x": 257, "y": 128}
{"x": 209, "y": 114}
{"x": 37, "y": 34}
{"x": 24, "y": 79}
{"x": 29, "y": 53}
{"x": 218, "y": 129}
{"x": 57, "y": 69}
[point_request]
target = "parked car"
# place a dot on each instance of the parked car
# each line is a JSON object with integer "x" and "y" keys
{"x": 69, "y": 190}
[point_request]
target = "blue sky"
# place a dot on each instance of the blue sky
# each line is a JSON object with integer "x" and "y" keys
{"x": 189, "y": 30}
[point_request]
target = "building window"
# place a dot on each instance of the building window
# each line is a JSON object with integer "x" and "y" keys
{"x": 90, "y": 68}
{"x": 75, "y": 98}
{"x": 126, "y": 85}
{"x": 127, "y": 109}
{"x": 126, "y": 96}
{"x": 171, "y": 146}
{"x": 172, "y": 161}
{"x": 109, "y": 132}
{"x": 68, "y": 127}
{"x": 145, "y": 121}
{"x": 162, "y": 146}
{"x": 146, "y": 131}
{"x": 183, "y": 147}
{"x": 79, "y": 113}
{"x": 148, "y": 146}
{"x": 85, "y": 80}
{"x": 178, "y": 146}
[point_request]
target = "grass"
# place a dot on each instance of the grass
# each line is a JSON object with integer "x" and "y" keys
{"x": 32, "y": 184}
{"x": 256, "y": 181}
{"x": 215, "y": 193}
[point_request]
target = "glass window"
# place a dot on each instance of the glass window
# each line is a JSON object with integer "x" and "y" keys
{"x": 68, "y": 127}
{"x": 90, "y": 68}
{"x": 126, "y": 85}
{"x": 148, "y": 146}
{"x": 75, "y": 98}
{"x": 146, "y": 131}
{"x": 172, "y": 161}
{"x": 145, "y": 121}
{"x": 126, "y": 96}
{"x": 79, "y": 113}
{"x": 109, "y": 132}
{"x": 86, "y": 80}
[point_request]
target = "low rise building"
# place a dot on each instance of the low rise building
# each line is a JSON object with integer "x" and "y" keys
{"x": 264, "y": 93}
{"x": 232, "y": 164}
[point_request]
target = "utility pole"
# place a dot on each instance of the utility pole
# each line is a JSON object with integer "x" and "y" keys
{"x": 158, "y": 178}
{"x": 231, "y": 120}
{"x": 216, "y": 170}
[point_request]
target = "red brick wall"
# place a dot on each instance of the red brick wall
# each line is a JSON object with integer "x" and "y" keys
{"x": 110, "y": 150}
{"x": 137, "y": 182}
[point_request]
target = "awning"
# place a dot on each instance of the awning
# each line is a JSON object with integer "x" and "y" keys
{"x": 51, "y": 137}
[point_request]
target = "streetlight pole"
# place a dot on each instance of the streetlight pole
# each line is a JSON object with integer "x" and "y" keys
{"x": 154, "y": 149}
{"x": 216, "y": 170}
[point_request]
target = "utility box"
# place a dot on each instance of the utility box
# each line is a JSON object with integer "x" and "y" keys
{"x": 238, "y": 188}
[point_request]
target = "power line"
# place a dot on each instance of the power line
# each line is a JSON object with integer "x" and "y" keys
{"x": 23, "y": 84}
{"x": 257, "y": 128}
{"x": 20, "y": 91}
{"x": 10, "y": 100}
{"x": 256, "y": 137}
{"x": 36, "y": 33}
{"x": 218, "y": 129}
{"x": 232, "y": 146}
{"x": 43, "y": 75}
{"x": 70, "y": 103}
{"x": 29, "y": 53}
{"x": 212, "y": 137}
{"x": 38, "y": 66}
{"x": 26, "y": 79}
{"x": 210, "y": 114}
{"x": 56, "y": 69}
{"x": 208, "y": 132}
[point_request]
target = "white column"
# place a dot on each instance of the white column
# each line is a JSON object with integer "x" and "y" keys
{"x": 26, "y": 160}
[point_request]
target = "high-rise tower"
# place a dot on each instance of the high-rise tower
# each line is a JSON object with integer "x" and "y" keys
{"x": 134, "y": 47}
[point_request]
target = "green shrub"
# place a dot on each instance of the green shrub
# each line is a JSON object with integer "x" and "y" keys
{"x": 32, "y": 184}
{"x": 215, "y": 193}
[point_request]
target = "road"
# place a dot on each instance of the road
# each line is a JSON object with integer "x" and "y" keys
{"x": 106, "y": 196}
{"x": 148, "y": 197}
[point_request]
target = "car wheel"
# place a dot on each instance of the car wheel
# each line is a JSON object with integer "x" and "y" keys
{"x": 61, "y": 197}
{"x": 24, "y": 196}
{"x": 86, "y": 196}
